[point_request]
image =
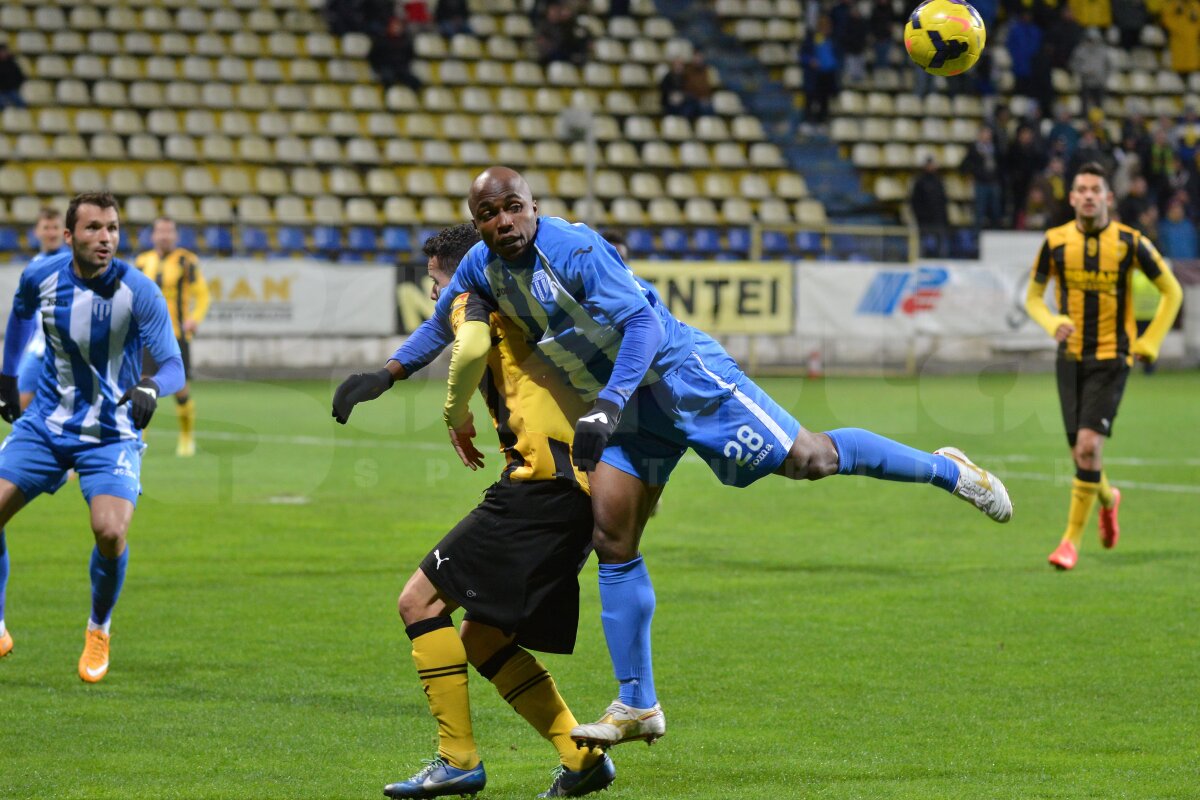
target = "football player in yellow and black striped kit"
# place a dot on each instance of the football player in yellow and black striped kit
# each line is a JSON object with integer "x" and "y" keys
{"x": 512, "y": 563}
{"x": 177, "y": 273}
{"x": 1092, "y": 260}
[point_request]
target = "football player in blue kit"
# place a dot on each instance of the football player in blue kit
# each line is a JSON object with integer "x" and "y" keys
{"x": 49, "y": 233}
{"x": 92, "y": 401}
{"x": 657, "y": 387}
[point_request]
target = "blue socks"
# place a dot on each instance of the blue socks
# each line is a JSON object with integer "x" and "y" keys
{"x": 107, "y": 577}
{"x": 3, "y": 572}
{"x": 627, "y": 607}
{"x": 861, "y": 452}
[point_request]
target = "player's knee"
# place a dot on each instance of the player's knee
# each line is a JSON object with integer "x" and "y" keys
{"x": 613, "y": 546}
{"x": 110, "y": 536}
{"x": 812, "y": 457}
{"x": 412, "y": 607}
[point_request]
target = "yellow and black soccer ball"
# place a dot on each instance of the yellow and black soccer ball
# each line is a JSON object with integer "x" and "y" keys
{"x": 944, "y": 37}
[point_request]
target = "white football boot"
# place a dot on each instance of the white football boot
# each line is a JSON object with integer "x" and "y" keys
{"x": 622, "y": 723}
{"x": 979, "y": 487}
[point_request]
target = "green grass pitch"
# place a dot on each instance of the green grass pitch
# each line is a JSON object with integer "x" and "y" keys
{"x": 842, "y": 639}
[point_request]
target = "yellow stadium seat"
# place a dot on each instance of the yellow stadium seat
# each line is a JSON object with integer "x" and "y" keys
{"x": 570, "y": 184}
{"x": 48, "y": 180}
{"x": 122, "y": 180}
{"x": 31, "y": 147}
{"x": 291, "y": 210}
{"x": 664, "y": 211}
{"x": 548, "y": 154}
{"x": 645, "y": 186}
{"x": 626, "y": 211}
{"x": 774, "y": 211}
{"x": 695, "y": 155}
{"x": 107, "y": 147}
{"x": 215, "y": 209}
{"x": 144, "y": 147}
{"x": 69, "y": 147}
{"x": 438, "y": 211}
{"x": 345, "y": 182}
{"x": 681, "y": 185}
{"x": 751, "y": 185}
{"x": 13, "y": 180}
{"x": 790, "y": 186}
{"x": 139, "y": 210}
{"x": 736, "y": 211}
{"x": 198, "y": 181}
{"x": 362, "y": 151}
{"x": 400, "y": 211}
{"x": 765, "y": 154}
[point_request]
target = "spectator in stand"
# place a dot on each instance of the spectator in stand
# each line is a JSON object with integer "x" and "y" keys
{"x": 1187, "y": 131}
{"x": 1092, "y": 64}
{"x": 1160, "y": 163}
{"x": 1129, "y": 167}
{"x": 1092, "y": 13}
{"x": 1052, "y": 184}
{"x": 1181, "y": 18}
{"x": 560, "y": 36}
{"x": 11, "y": 78}
{"x": 1147, "y": 223}
{"x": 697, "y": 86}
{"x": 1131, "y": 206}
{"x": 1130, "y": 16}
{"x": 1135, "y": 135}
{"x": 1177, "y": 233}
{"x": 1063, "y": 130}
{"x": 1037, "y": 213}
{"x": 883, "y": 24}
{"x": 1024, "y": 42}
{"x": 1004, "y": 129}
{"x": 854, "y": 49}
{"x": 929, "y": 207}
{"x": 392, "y": 53}
{"x": 452, "y": 16}
{"x": 1065, "y": 34}
{"x": 1181, "y": 183}
{"x": 674, "y": 100}
{"x": 982, "y": 165}
{"x": 1026, "y": 158}
{"x": 1090, "y": 150}
{"x": 1041, "y": 84}
{"x": 819, "y": 58}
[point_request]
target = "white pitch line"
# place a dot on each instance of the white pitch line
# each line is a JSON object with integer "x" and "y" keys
{"x": 1127, "y": 461}
{"x": 317, "y": 441}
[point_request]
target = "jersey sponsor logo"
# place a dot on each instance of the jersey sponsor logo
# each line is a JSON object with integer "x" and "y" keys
{"x": 583, "y": 251}
{"x": 542, "y": 289}
{"x": 437, "y": 555}
{"x": 907, "y": 291}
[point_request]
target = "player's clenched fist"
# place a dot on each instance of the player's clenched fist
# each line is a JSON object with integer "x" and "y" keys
{"x": 142, "y": 399}
{"x": 359, "y": 388}
{"x": 592, "y": 432}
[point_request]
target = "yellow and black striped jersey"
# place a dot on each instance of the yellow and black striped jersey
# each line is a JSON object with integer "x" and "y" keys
{"x": 533, "y": 409}
{"x": 182, "y": 283}
{"x": 1093, "y": 273}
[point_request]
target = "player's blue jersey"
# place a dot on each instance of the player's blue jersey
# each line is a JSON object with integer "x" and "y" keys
{"x": 95, "y": 331}
{"x": 37, "y": 345}
{"x": 570, "y": 301}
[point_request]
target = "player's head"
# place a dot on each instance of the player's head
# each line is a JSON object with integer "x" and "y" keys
{"x": 617, "y": 240}
{"x": 164, "y": 235}
{"x": 444, "y": 250}
{"x": 93, "y": 229}
{"x": 49, "y": 229}
{"x": 503, "y": 211}
{"x": 1090, "y": 195}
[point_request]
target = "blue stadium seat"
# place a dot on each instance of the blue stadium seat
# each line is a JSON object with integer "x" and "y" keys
{"x": 10, "y": 241}
{"x": 424, "y": 234}
{"x": 327, "y": 237}
{"x": 397, "y": 239}
{"x": 965, "y": 244}
{"x": 640, "y": 241}
{"x": 674, "y": 240}
{"x": 351, "y": 257}
{"x": 141, "y": 239}
{"x": 848, "y": 246}
{"x": 808, "y": 242}
{"x": 738, "y": 241}
{"x": 706, "y": 241}
{"x": 187, "y": 237}
{"x": 775, "y": 242}
{"x": 218, "y": 237}
{"x": 291, "y": 239}
{"x": 361, "y": 239}
{"x": 254, "y": 240}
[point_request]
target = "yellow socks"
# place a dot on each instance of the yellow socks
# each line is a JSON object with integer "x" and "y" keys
{"x": 1105, "y": 494}
{"x": 1084, "y": 489}
{"x": 526, "y": 685}
{"x": 187, "y": 424}
{"x": 441, "y": 664}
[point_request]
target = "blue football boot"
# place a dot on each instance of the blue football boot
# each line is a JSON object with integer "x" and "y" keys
{"x": 438, "y": 778}
{"x": 596, "y": 778}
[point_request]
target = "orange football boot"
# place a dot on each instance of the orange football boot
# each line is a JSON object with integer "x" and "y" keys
{"x": 93, "y": 664}
{"x": 1065, "y": 555}
{"x": 1110, "y": 529}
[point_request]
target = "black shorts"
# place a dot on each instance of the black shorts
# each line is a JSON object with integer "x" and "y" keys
{"x": 150, "y": 366}
{"x": 514, "y": 561}
{"x": 1090, "y": 392}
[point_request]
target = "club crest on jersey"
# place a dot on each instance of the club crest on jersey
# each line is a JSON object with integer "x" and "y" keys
{"x": 101, "y": 309}
{"x": 542, "y": 289}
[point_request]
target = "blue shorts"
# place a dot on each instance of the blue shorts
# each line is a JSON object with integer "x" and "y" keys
{"x": 35, "y": 465}
{"x": 709, "y": 405}
{"x": 29, "y": 372}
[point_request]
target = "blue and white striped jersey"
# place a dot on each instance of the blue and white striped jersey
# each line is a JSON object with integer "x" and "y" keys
{"x": 37, "y": 345}
{"x": 95, "y": 331}
{"x": 570, "y": 302}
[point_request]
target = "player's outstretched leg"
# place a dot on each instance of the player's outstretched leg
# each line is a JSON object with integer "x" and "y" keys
{"x": 1110, "y": 529}
{"x": 108, "y": 575}
{"x": 6, "y": 642}
{"x": 861, "y": 452}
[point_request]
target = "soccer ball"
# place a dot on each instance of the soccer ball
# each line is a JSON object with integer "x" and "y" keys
{"x": 944, "y": 37}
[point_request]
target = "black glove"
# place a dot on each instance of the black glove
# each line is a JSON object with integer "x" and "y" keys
{"x": 592, "y": 432}
{"x": 10, "y": 398}
{"x": 142, "y": 399}
{"x": 359, "y": 388}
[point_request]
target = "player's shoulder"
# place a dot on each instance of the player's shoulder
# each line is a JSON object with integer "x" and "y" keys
{"x": 1127, "y": 230}
{"x": 41, "y": 266}
{"x": 183, "y": 254}
{"x": 476, "y": 258}
{"x": 133, "y": 277}
{"x": 144, "y": 259}
{"x": 556, "y": 233}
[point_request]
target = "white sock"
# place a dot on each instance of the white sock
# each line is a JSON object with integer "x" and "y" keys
{"x": 3, "y": 630}
{"x": 93, "y": 626}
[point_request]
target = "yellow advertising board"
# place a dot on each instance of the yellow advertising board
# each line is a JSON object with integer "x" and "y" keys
{"x": 725, "y": 296}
